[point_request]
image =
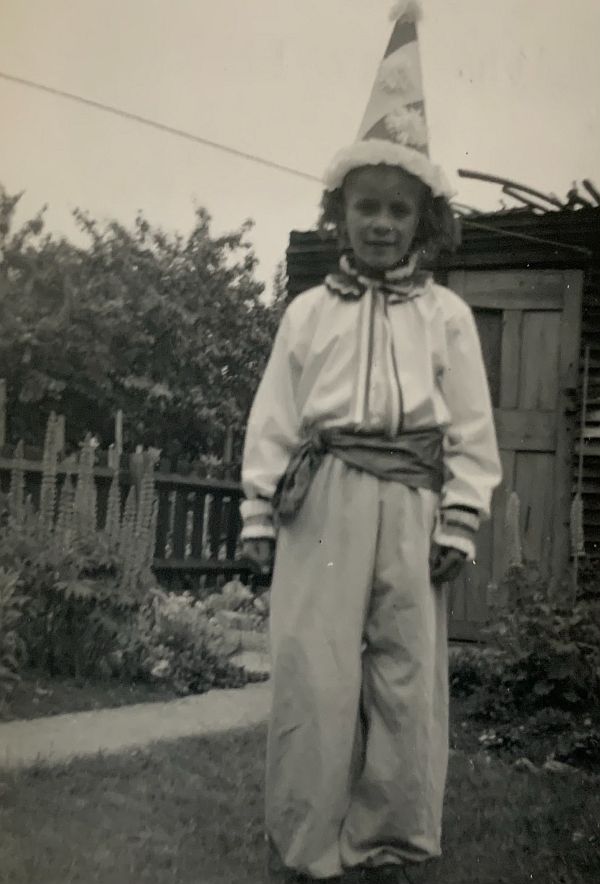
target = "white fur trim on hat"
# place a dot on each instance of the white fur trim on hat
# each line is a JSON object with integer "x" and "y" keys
{"x": 375, "y": 152}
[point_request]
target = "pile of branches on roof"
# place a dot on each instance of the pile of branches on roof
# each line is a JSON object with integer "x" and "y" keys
{"x": 582, "y": 195}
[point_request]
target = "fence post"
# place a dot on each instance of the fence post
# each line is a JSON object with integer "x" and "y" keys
{"x": 228, "y": 448}
{"x": 2, "y": 412}
{"x": 112, "y": 461}
{"x": 60, "y": 434}
{"x": 119, "y": 435}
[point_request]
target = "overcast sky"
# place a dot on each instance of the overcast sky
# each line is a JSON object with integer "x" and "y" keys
{"x": 511, "y": 88}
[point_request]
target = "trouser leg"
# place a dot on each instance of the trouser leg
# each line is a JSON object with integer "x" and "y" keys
{"x": 396, "y": 807}
{"x": 322, "y": 579}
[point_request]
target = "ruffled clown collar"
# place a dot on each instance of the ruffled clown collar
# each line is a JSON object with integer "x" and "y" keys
{"x": 399, "y": 284}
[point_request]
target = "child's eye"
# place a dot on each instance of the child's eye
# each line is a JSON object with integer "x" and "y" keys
{"x": 400, "y": 210}
{"x": 367, "y": 207}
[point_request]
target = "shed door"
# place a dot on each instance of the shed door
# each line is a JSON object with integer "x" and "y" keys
{"x": 529, "y": 325}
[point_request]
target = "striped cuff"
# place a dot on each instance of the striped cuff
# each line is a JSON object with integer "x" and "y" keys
{"x": 457, "y": 526}
{"x": 257, "y": 518}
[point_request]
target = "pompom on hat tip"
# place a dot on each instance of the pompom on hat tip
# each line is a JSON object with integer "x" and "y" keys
{"x": 403, "y": 10}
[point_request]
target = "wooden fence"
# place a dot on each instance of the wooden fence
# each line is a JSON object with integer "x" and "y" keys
{"x": 198, "y": 526}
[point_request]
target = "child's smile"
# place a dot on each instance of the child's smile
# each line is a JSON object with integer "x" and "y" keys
{"x": 382, "y": 213}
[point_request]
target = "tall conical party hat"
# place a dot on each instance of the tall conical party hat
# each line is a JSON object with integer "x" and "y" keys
{"x": 397, "y": 103}
{"x": 394, "y": 127}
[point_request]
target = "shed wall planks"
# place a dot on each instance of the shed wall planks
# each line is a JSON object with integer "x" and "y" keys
{"x": 530, "y": 338}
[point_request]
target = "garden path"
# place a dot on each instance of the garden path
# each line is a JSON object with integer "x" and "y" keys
{"x": 59, "y": 738}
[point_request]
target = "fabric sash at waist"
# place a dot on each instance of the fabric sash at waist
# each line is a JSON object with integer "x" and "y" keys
{"x": 414, "y": 458}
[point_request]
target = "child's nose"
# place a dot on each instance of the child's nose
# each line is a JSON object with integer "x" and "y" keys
{"x": 383, "y": 223}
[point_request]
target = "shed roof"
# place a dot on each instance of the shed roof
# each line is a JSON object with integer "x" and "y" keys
{"x": 508, "y": 238}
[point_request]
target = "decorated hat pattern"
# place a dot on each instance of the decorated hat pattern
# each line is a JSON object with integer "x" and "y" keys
{"x": 393, "y": 130}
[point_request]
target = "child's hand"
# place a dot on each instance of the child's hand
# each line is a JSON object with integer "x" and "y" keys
{"x": 445, "y": 563}
{"x": 261, "y": 552}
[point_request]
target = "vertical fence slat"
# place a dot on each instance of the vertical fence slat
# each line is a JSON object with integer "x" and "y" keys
{"x": 33, "y": 487}
{"x": 2, "y": 412}
{"x": 198, "y": 524}
{"x": 214, "y": 523}
{"x": 232, "y": 526}
{"x": 162, "y": 524}
{"x": 119, "y": 434}
{"x": 180, "y": 523}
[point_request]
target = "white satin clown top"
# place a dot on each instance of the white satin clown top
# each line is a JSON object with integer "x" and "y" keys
{"x": 376, "y": 364}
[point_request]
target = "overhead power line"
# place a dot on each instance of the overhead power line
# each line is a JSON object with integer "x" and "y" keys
{"x": 161, "y": 127}
{"x": 279, "y": 167}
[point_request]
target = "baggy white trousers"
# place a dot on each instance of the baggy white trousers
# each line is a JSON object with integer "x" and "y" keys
{"x": 358, "y": 736}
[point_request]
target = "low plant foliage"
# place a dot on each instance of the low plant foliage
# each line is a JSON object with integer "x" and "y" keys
{"x": 176, "y": 639}
{"x": 540, "y": 669}
{"x": 92, "y": 607}
{"x": 12, "y": 648}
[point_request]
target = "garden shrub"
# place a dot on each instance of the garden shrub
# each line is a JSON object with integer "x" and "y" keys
{"x": 78, "y": 584}
{"x": 237, "y": 598}
{"x": 580, "y": 747}
{"x": 540, "y": 653}
{"x": 91, "y": 601}
{"x": 539, "y": 670}
{"x": 71, "y": 620}
{"x": 175, "y": 640}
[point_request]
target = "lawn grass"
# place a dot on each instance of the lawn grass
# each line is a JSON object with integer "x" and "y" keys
{"x": 190, "y": 812}
{"x": 37, "y": 695}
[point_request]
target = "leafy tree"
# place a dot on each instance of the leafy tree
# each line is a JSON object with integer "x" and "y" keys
{"x": 280, "y": 288}
{"x": 170, "y": 329}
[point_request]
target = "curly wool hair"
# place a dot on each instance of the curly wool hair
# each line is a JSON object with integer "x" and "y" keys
{"x": 438, "y": 231}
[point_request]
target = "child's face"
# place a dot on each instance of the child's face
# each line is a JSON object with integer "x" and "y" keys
{"x": 382, "y": 212}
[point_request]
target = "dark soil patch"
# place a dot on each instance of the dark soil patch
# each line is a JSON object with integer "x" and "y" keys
{"x": 38, "y": 695}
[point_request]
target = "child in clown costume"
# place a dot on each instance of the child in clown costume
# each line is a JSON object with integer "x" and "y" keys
{"x": 370, "y": 458}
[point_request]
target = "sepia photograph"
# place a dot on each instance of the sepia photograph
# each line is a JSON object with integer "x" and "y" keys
{"x": 299, "y": 442}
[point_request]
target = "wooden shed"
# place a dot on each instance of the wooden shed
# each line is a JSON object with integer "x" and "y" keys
{"x": 533, "y": 281}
